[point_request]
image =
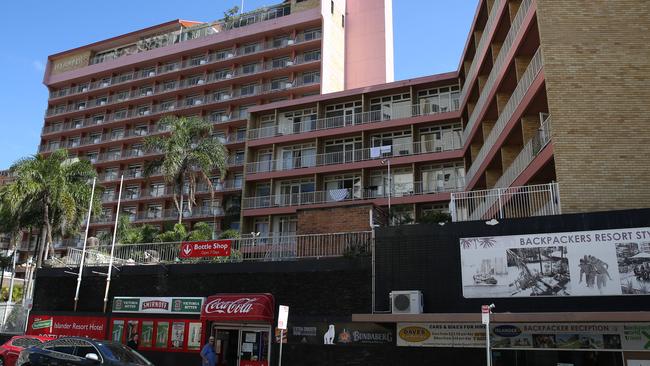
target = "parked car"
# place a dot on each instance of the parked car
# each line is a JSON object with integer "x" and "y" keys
{"x": 10, "y": 350}
{"x": 73, "y": 351}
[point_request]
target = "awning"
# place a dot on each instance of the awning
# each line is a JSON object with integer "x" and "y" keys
{"x": 239, "y": 308}
{"x": 546, "y": 317}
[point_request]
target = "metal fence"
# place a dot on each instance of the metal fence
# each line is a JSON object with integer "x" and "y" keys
{"x": 13, "y": 318}
{"x": 501, "y": 203}
{"x": 268, "y": 248}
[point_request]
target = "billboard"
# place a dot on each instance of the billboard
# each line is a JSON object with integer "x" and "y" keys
{"x": 581, "y": 263}
{"x": 566, "y": 336}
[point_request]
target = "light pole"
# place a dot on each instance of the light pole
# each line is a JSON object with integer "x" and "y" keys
{"x": 390, "y": 188}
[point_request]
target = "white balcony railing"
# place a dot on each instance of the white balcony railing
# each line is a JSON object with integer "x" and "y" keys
{"x": 499, "y": 64}
{"x": 352, "y": 194}
{"x": 447, "y": 143}
{"x": 397, "y": 112}
{"x": 524, "y": 84}
{"x": 270, "y": 247}
{"x": 503, "y": 203}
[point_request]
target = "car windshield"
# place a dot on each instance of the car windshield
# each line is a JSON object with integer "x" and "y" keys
{"x": 122, "y": 353}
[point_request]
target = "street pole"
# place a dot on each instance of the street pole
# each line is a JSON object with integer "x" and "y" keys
{"x": 83, "y": 251}
{"x": 281, "y": 338}
{"x": 110, "y": 262}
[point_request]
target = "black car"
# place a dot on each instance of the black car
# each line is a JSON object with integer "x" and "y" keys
{"x": 73, "y": 351}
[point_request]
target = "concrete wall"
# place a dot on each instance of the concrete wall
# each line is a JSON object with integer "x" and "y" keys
{"x": 597, "y": 69}
{"x": 333, "y": 55}
{"x": 369, "y": 43}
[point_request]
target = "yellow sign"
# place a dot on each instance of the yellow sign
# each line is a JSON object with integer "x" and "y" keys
{"x": 414, "y": 334}
{"x": 71, "y": 62}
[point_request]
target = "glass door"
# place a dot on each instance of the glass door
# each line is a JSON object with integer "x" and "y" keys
{"x": 226, "y": 345}
{"x": 254, "y": 347}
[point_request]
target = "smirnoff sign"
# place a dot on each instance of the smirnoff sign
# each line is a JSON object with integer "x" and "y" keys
{"x": 251, "y": 307}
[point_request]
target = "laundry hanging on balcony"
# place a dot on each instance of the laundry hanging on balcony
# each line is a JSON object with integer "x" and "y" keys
{"x": 338, "y": 194}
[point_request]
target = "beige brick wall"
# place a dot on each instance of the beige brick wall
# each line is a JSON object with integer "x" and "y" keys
{"x": 597, "y": 69}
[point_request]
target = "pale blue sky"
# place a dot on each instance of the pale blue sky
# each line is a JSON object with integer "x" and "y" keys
{"x": 429, "y": 36}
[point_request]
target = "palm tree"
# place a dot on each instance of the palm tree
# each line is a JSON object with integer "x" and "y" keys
{"x": 190, "y": 155}
{"x": 58, "y": 187}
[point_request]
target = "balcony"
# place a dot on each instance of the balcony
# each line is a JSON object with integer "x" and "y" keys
{"x": 190, "y": 102}
{"x": 210, "y": 59}
{"x": 270, "y": 247}
{"x": 108, "y": 137}
{"x": 203, "y": 80}
{"x": 334, "y": 196}
{"x": 166, "y": 192}
{"x": 499, "y": 64}
{"x": 504, "y": 203}
{"x": 164, "y": 215}
{"x": 398, "y": 112}
{"x": 515, "y": 100}
{"x": 353, "y": 156}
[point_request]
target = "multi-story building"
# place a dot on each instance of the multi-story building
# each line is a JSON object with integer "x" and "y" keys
{"x": 484, "y": 130}
{"x": 107, "y": 96}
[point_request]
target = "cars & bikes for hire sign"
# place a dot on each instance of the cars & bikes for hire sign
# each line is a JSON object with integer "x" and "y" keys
{"x": 582, "y": 263}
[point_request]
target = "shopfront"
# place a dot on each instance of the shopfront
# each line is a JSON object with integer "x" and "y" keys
{"x": 241, "y": 325}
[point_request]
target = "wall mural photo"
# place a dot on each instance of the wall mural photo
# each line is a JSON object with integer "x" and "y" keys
{"x": 587, "y": 263}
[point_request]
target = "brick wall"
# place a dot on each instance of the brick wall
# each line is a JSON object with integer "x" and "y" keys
{"x": 597, "y": 70}
{"x": 334, "y": 220}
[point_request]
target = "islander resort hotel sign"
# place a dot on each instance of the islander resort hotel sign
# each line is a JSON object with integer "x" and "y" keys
{"x": 581, "y": 263}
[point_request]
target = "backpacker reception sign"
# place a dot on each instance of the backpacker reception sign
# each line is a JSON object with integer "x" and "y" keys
{"x": 582, "y": 263}
{"x": 158, "y": 305}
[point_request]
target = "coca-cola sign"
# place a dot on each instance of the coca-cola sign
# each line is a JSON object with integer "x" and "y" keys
{"x": 252, "y": 307}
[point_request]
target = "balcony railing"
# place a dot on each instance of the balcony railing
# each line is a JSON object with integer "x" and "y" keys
{"x": 497, "y": 68}
{"x": 503, "y": 203}
{"x": 482, "y": 45}
{"x": 162, "y": 88}
{"x": 189, "y": 102}
{"x": 169, "y": 191}
{"x": 350, "y": 194}
{"x": 532, "y": 148}
{"x": 212, "y": 58}
{"x": 163, "y": 215}
{"x": 447, "y": 143}
{"x": 276, "y": 247}
{"x": 397, "y": 112}
{"x": 107, "y": 137}
{"x": 524, "y": 84}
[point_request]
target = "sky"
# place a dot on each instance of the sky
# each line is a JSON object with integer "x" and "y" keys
{"x": 429, "y": 37}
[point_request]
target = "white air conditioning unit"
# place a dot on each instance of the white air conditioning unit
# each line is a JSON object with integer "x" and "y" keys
{"x": 228, "y": 76}
{"x": 290, "y": 42}
{"x": 152, "y": 73}
{"x": 225, "y": 97}
{"x": 202, "y": 62}
{"x": 230, "y": 55}
{"x": 289, "y": 63}
{"x": 225, "y": 118}
{"x": 406, "y": 302}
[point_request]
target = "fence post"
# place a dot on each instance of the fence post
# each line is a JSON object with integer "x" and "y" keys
{"x": 499, "y": 190}
{"x": 452, "y": 208}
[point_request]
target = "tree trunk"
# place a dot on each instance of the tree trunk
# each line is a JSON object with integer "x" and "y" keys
{"x": 2, "y": 282}
{"x": 180, "y": 211}
{"x": 40, "y": 248}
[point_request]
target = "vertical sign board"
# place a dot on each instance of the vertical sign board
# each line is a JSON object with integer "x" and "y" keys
{"x": 282, "y": 317}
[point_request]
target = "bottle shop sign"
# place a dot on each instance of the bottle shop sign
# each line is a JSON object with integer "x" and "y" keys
{"x": 210, "y": 248}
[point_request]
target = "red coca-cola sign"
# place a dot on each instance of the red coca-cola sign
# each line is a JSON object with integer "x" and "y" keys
{"x": 211, "y": 248}
{"x": 239, "y": 307}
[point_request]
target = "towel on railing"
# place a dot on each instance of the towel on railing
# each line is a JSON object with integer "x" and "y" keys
{"x": 375, "y": 152}
{"x": 338, "y": 194}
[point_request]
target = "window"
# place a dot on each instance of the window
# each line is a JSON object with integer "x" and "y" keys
{"x": 195, "y": 80}
{"x": 146, "y": 90}
{"x": 343, "y": 114}
{"x": 148, "y": 72}
{"x": 157, "y": 189}
{"x": 82, "y": 88}
{"x": 250, "y": 48}
{"x": 169, "y": 85}
{"x": 312, "y": 34}
{"x": 154, "y": 211}
{"x": 343, "y": 186}
{"x": 311, "y": 77}
{"x": 394, "y": 143}
{"x": 440, "y": 137}
{"x": 311, "y": 55}
{"x": 343, "y": 150}
{"x": 74, "y": 141}
{"x": 168, "y": 105}
{"x": 80, "y": 105}
{"x": 223, "y": 94}
{"x": 222, "y": 74}
{"x": 443, "y": 177}
{"x": 193, "y": 100}
{"x": 117, "y": 133}
{"x": 141, "y": 130}
{"x": 248, "y": 89}
{"x": 170, "y": 66}
{"x": 121, "y": 114}
{"x": 95, "y": 137}
{"x": 280, "y": 83}
{"x": 249, "y": 68}
{"x": 297, "y": 121}
{"x": 101, "y": 101}
{"x": 122, "y": 96}
{"x": 110, "y": 173}
{"x": 298, "y": 156}
{"x": 144, "y": 110}
{"x": 105, "y": 82}
{"x": 197, "y": 60}
{"x": 218, "y": 116}
{"x": 391, "y": 107}
{"x": 83, "y": 348}
{"x": 129, "y": 212}
{"x": 122, "y": 78}
{"x": 92, "y": 156}
{"x": 97, "y": 119}
{"x": 279, "y": 62}
{"x": 53, "y": 145}
{"x": 134, "y": 171}
{"x": 280, "y": 41}
{"x": 223, "y": 54}
{"x": 439, "y": 100}
{"x": 114, "y": 153}
{"x": 62, "y": 345}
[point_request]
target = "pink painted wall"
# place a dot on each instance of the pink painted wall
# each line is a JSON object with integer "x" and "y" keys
{"x": 368, "y": 43}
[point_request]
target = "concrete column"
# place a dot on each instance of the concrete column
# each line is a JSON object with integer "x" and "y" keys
{"x": 492, "y": 175}
{"x": 477, "y": 38}
{"x": 513, "y": 8}
{"x": 521, "y": 63}
{"x": 509, "y": 154}
{"x": 529, "y": 127}
{"x": 482, "y": 79}
{"x": 487, "y": 127}
{"x": 470, "y": 108}
{"x": 466, "y": 66}
{"x": 496, "y": 47}
{"x": 502, "y": 100}
{"x": 474, "y": 148}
